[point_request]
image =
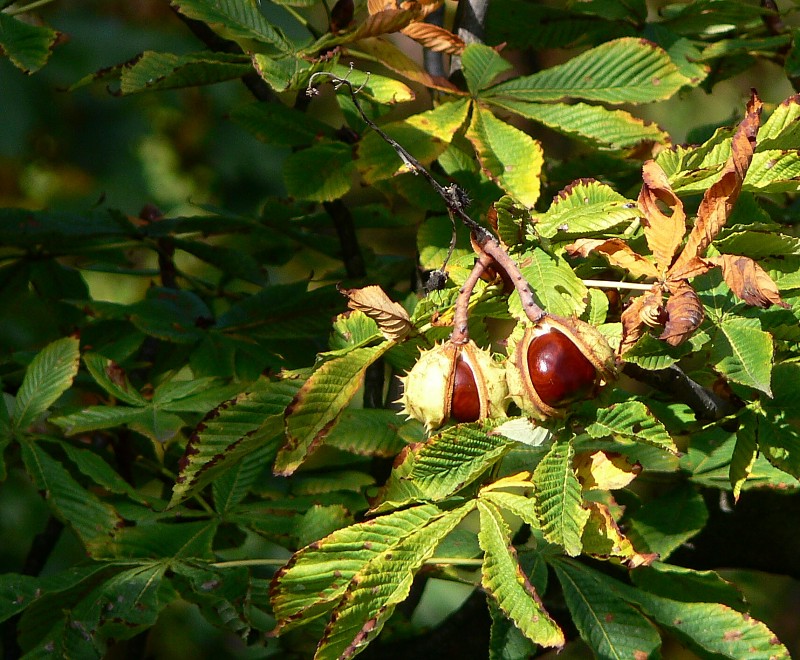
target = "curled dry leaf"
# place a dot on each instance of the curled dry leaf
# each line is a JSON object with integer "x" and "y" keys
{"x": 664, "y": 233}
{"x": 684, "y": 313}
{"x": 719, "y": 199}
{"x": 748, "y": 280}
{"x": 618, "y": 253}
{"x": 435, "y": 38}
{"x": 392, "y": 319}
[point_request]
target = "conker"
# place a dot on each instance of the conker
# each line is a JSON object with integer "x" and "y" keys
{"x": 559, "y": 371}
{"x": 555, "y": 362}
{"x": 465, "y": 405}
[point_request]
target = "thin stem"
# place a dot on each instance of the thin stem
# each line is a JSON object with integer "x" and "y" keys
{"x": 460, "y": 333}
{"x": 496, "y": 251}
{"x": 25, "y": 8}
{"x": 607, "y": 284}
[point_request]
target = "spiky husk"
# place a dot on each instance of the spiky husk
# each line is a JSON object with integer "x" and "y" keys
{"x": 428, "y": 386}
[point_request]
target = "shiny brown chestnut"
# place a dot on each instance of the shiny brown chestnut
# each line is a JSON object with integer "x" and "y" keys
{"x": 555, "y": 362}
{"x": 559, "y": 371}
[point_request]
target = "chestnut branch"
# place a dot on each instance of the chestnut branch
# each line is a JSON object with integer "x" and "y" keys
{"x": 454, "y": 198}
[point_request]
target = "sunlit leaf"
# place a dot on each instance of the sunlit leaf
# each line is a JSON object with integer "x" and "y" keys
{"x": 504, "y": 580}
{"x": 621, "y": 71}
{"x": 316, "y": 407}
{"x": 508, "y": 156}
{"x": 558, "y": 499}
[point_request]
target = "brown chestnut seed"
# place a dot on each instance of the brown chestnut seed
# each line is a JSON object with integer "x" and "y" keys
{"x": 559, "y": 371}
{"x": 466, "y": 400}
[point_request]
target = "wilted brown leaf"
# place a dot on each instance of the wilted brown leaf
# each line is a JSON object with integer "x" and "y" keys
{"x": 748, "y": 280}
{"x": 618, "y": 253}
{"x": 392, "y": 319}
{"x": 384, "y": 22}
{"x": 684, "y": 313}
{"x": 664, "y": 232}
{"x": 632, "y": 326}
{"x": 435, "y": 38}
{"x": 719, "y": 199}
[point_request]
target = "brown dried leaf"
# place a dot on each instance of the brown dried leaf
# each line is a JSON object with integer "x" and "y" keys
{"x": 384, "y": 22}
{"x": 632, "y": 326}
{"x": 392, "y": 319}
{"x": 435, "y": 38}
{"x": 719, "y": 199}
{"x": 664, "y": 232}
{"x": 618, "y": 253}
{"x": 377, "y": 6}
{"x": 684, "y": 313}
{"x": 748, "y": 280}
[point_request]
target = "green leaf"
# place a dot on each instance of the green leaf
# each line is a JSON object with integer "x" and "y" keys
{"x": 113, "y": 379}
{"x": 631, "y": 420}
{"x": 231, "y": 432}
{"x": 94, "y": 521}
{"x": 625, "y": 70}
{"x": 377, "y": 88}
{"x": 743, "y": 353}
{"x": 425, "y": 136}
{"x": 558, "y": 499}
{"x": 653, "y": 354}
{"x": 511, "y": 158}
{"x": 368, "y": 432}
{"x": 521, "y": 506}
{"x": 152, "y": 71}
{"x": 665, "y": 523}
{"x": 482, "y": 65}
{"x": 321, "y": 173}
{"x": 232, "y": 263}
{"x": 781, "y": 130}
{"x": 168, "y": 539}
{"x": 585, "y": 207}
{"x": 710, "y": 629}
{"x": 608, "y": 624}
{"x": 507, "y": 641}
{"x": 315, "y": 409}
{"x": 27, "y": 46}
{"x": 604, "y": 129}
{"x": 317, "y": 577}
{"x": 505, "y": 581}
{"x": 555, "y": 285}
{"x": 133, "y": 595}
{"x": 759, "y": 243}
{"x": 18, "y": 592}
{"x": 48, "y": 376}
{"x": 379, "y": 586}
{"x": 284, "y": 311}
{"x": 441, "y": 466}
{"x": 275, "y": 123}
{"x": 233, "y": 483}
{"x": 240, "y": 20}
{"x": 687, "y": 585}
{"x": 745, "y": 452}
{"x": 772, "y": 171}
{"x": 172, "y": 315}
